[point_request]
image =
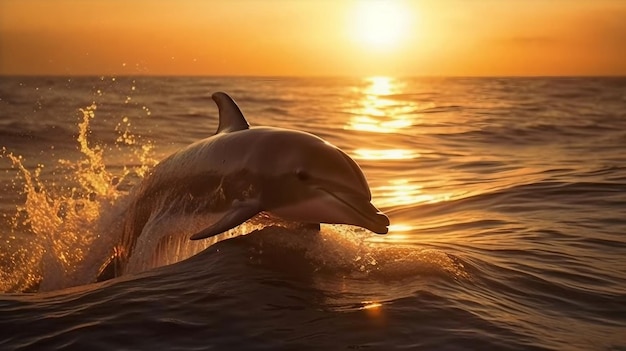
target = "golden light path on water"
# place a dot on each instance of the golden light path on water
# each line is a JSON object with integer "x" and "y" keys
{"x": 378, "y": 112}
{"x": 387, "y": 154}
{"x": 403, "y": 192}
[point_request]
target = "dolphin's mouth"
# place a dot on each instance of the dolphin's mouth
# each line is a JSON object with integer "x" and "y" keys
{"x": 364, "y": 214}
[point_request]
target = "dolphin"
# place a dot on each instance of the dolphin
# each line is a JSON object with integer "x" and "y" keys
{"x": 241, "y": 171}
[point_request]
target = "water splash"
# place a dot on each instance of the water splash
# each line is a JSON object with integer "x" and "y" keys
{"x": 144, "y": 153}
{"x": 56, "y": 232}
{"x": 349, "y": 252}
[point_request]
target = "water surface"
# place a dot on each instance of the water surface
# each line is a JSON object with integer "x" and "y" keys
{"x": 507, "y": 198}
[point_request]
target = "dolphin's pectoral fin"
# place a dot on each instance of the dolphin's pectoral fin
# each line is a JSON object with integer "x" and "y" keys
{"x": 239, "y": 213}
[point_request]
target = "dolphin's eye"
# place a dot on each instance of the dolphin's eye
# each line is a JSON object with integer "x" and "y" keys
{"x": 302, "y": 175}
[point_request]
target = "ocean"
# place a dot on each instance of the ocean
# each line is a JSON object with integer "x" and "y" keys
{"x": 506, "y": 196}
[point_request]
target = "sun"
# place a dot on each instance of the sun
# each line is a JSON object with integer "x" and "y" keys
{"x": 380, "y": 24}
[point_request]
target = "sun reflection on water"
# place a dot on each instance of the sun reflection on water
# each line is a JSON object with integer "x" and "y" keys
{"x": 372, "y": 309}
{"x": 402, "y": 192}
{"x": 387, "y": 154}
{"x": 377, "y": 112}
{"x": 381, "y": 85}
{"x": 400, "y": 227}
{"x": 371, "y": 305}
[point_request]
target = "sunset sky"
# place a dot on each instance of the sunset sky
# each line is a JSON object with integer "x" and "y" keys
{"x": 312, "y": 38}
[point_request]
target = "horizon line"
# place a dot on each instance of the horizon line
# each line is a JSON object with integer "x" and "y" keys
{"x": 81, "y": 75}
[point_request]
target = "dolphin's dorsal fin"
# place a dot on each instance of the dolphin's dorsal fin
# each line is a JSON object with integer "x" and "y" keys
{"x": 231, "y": 118}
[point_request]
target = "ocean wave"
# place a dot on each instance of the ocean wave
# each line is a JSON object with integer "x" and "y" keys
{"x": 15, "y": 134}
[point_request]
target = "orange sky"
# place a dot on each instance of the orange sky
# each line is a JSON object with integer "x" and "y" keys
{"x": 313, "y": 37}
